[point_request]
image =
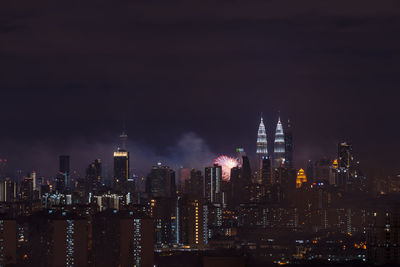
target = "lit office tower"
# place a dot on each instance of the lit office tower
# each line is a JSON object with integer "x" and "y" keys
{"x": 262, "y": 149}
{"x": 289, "y": 146}
{"x": 121, "y": 163}
{"x": 64, "y": 170}
{"x": 93, "y": 177}
{"x": 279, "y": 145}
{"x": 34, "y": 180}
{"x": 212, "y": 184}
{"x": 161, "y": 182}
{"x": 345, "y": 163}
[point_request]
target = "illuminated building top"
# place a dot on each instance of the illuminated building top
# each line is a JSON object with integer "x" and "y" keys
{"x": 301, "y": 178}
{"x": 279, "y": 144}
{"x": 120, "y": 153}
{"x": 262, "y": 140}
{"x": 335, "y": 164}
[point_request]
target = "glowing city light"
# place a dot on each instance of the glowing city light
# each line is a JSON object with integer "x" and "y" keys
{"x": 227, "y": 163}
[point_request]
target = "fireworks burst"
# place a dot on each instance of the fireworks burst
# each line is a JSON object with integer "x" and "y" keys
{"x": 227, "y": 163}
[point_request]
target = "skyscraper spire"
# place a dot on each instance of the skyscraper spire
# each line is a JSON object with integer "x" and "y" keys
{"x": 262, "y": 149}
{"x": 121, "y": 164}
{"x": 124, "y": 138}
{"x": 279, "y": 144}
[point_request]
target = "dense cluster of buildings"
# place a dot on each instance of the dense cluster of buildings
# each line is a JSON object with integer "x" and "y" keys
{"x": 266, "y": 212}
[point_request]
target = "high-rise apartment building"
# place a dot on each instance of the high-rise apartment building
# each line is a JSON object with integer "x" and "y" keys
{"x": 212, "y": 184}
{"x": 122, "y": 238}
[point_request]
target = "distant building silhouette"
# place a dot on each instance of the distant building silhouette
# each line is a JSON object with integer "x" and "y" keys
{"x": 289, "y": 146}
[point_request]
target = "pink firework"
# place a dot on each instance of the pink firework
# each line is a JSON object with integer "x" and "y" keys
{"x": 227, "y": 163}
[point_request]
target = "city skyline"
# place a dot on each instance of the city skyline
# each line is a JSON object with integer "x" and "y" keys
{"x": 199, "y": 133}
{"x": 189, "y": 151}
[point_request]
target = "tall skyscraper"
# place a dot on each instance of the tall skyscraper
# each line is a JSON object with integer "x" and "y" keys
{"x": 161, "y": 182}
{"x": 8, "y": 190}
{"x": 212, "y": 184}
{"x": 279, "y": 145}
{"x": 64, "y": 164}
{"x": 34, "y": 180}
{"x": 345, "y": 163}
{"x": 266, "y": 178}
{"x": 124, "y": 138}
{"x": 27, "y": 189}
{"x": 289, "y": 146}
{"x": 194, "y": 185}
{"x": 241, "y": 179}
{"x": 246, "y": 170}
{"x": 184, "y": 176}
{"x": 345, "y": 155}
{"x": 310, "y": 171}
{"x": 322, "y": 169}
{"x": 93, "y": 177}
{"x": 196, "y": 225}
{"x": 262, "y": 147}
{"x": 121, "y": 164}
{"x": 121, "y": 167}
{"x": 64, "y": 170}
{"x": 3, "y": 165}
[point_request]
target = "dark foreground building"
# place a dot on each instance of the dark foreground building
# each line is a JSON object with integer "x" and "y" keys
{"x": 121, "y": 238}
{"x": 383, "y": 230}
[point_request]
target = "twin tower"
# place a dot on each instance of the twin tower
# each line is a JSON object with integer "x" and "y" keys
{"x": 283, "y": 145}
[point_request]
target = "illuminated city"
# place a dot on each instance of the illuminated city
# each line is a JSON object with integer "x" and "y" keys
{"x": 201, "y": 134}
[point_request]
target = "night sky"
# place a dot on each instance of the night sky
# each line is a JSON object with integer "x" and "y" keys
{"x": 190, "y": 79}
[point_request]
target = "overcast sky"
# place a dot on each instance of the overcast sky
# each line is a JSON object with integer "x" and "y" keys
{"x": 197, "y": 73}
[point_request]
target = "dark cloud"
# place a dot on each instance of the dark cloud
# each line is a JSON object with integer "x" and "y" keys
{"x": 76, "y": 70}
